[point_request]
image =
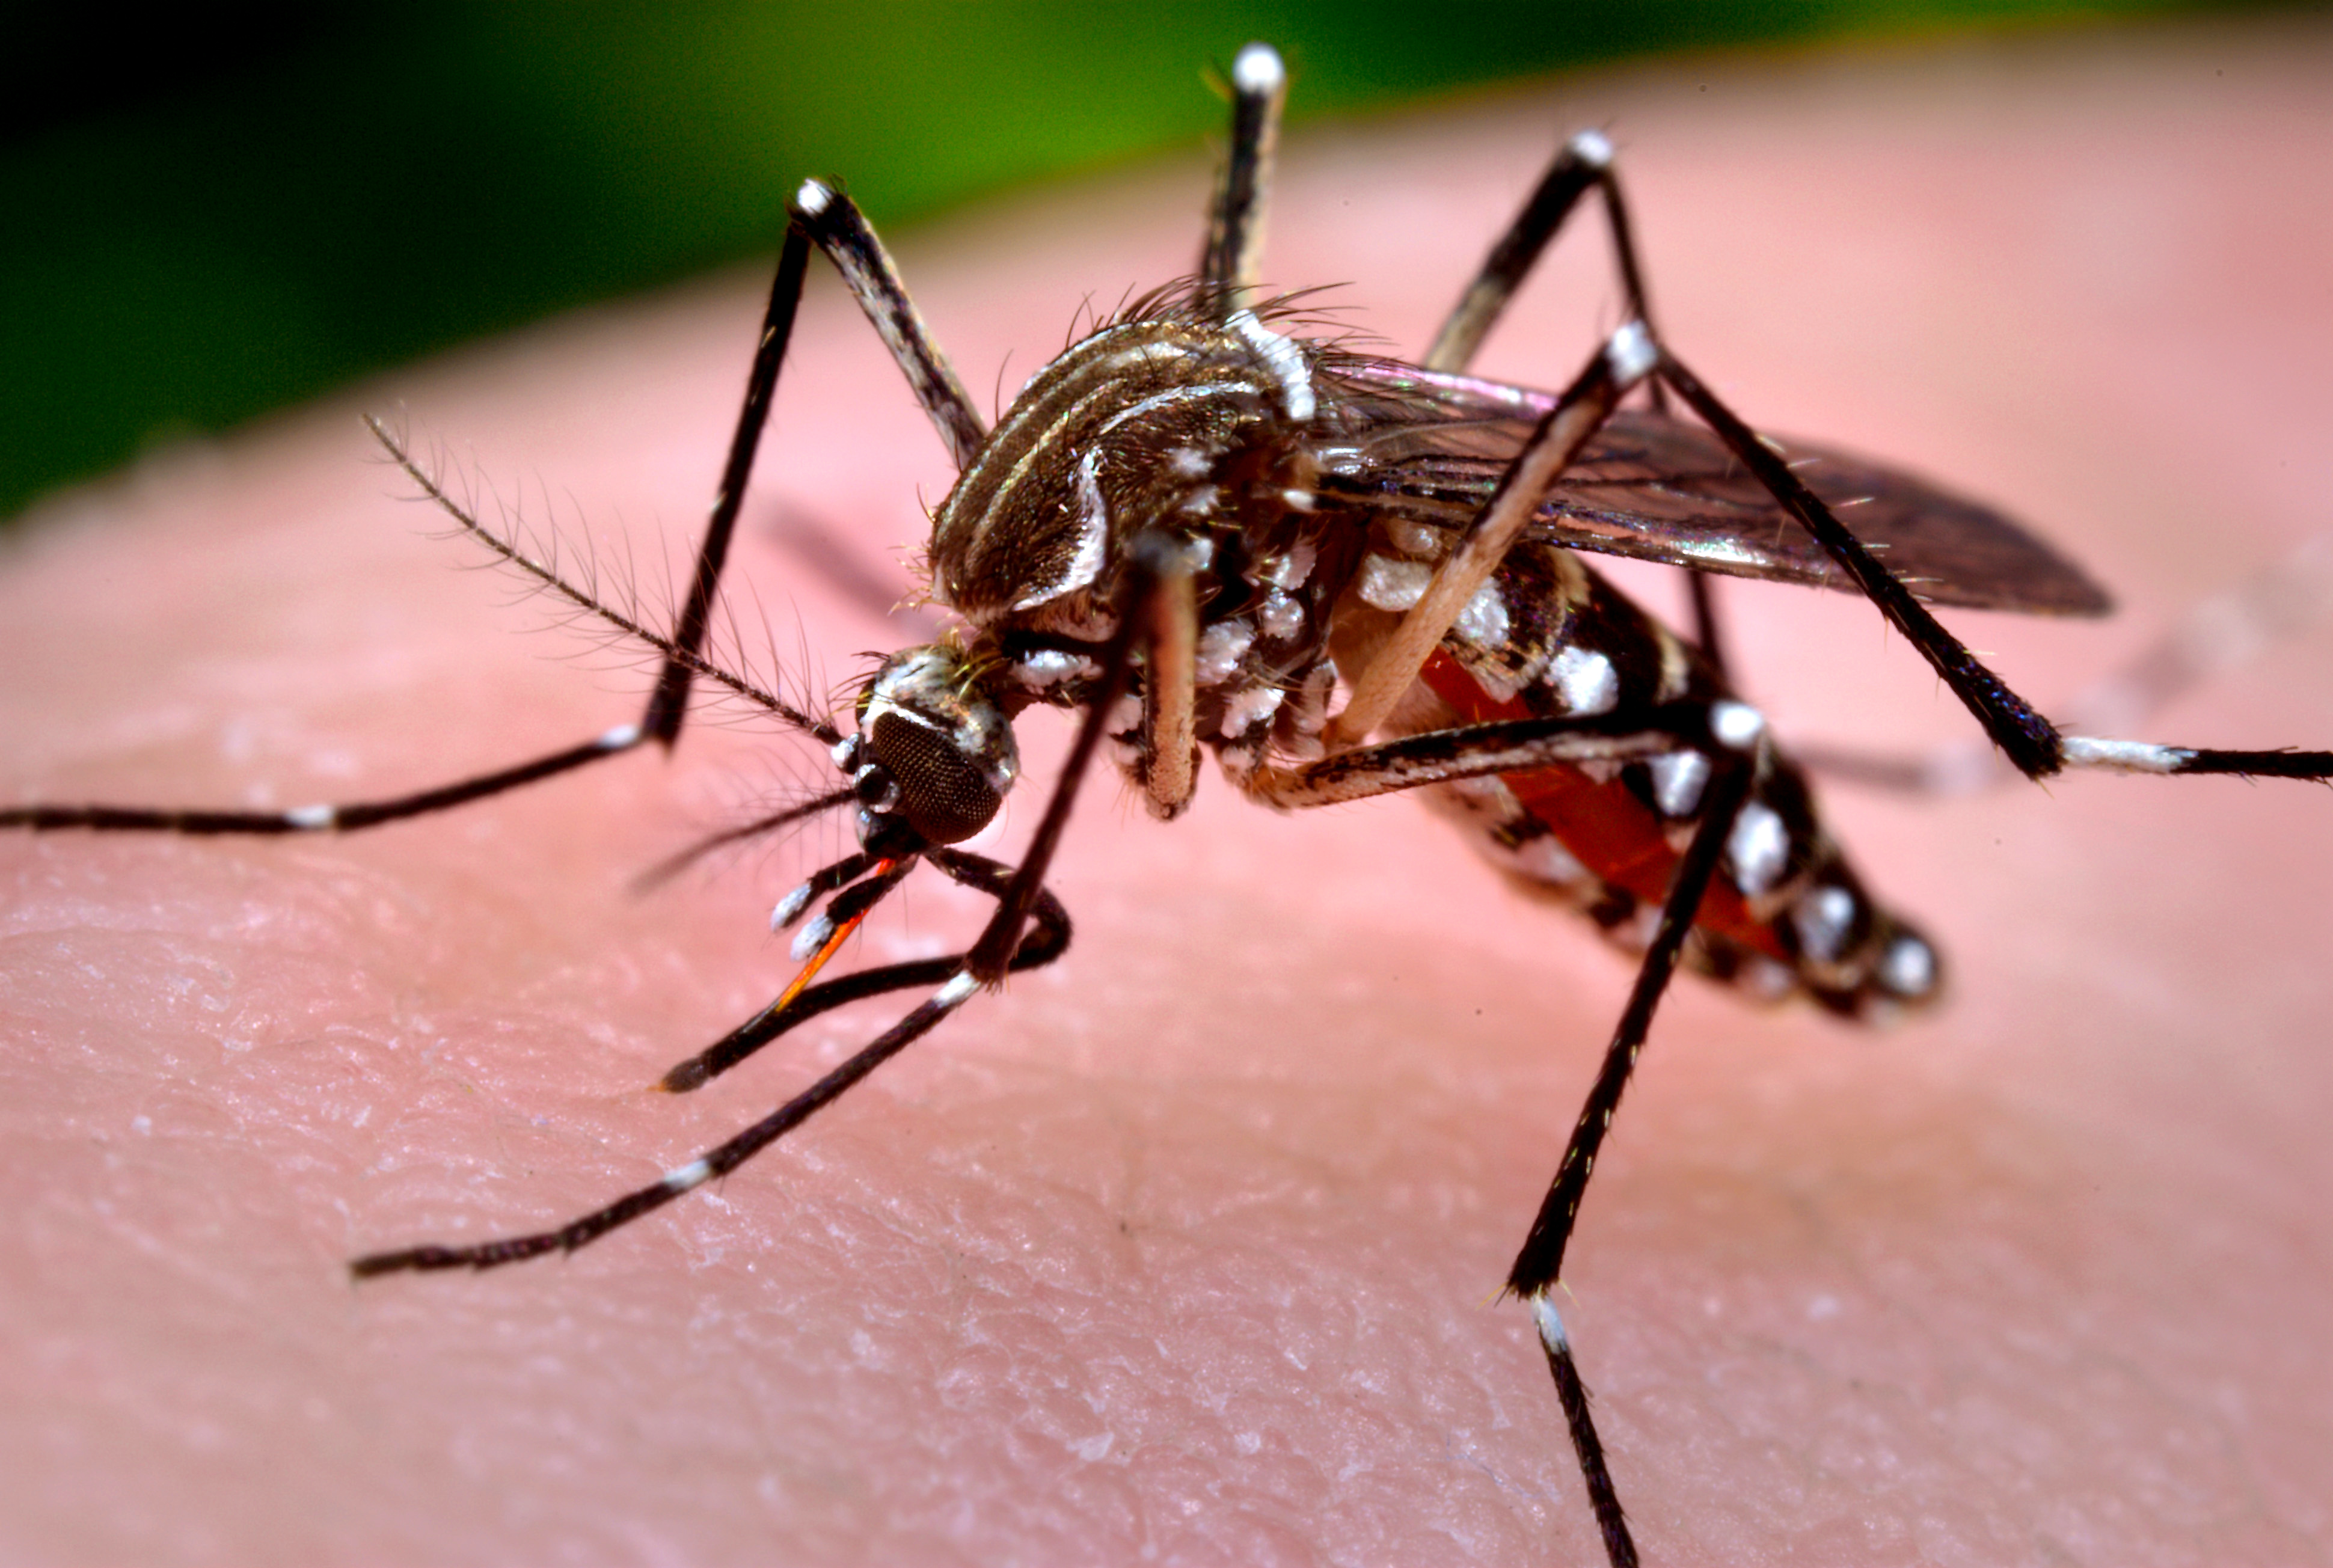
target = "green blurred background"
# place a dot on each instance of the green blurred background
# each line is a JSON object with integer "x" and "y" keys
{"x": 211, "y": 215}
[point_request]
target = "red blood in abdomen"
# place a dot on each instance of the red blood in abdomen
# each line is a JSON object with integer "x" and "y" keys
{"x": 1605, "y": 828}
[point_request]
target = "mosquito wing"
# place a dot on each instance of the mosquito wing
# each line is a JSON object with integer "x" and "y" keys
{"x": 1430, "y": 447}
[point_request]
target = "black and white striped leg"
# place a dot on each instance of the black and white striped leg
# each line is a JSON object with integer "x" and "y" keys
{"x": 353, "y": 815}
{"x": 1150, "y": 558}
{"x": 1584, "y": 162}
{"x": 1047, "y": 939}
{"x": 836, "y": 226}
{"x": 2215, "y": 636}
{"x": 2034, "y": 746}
{"x": 682, "y": 656}
{"x": 718, "y": 1161}
{"x": 346, "y": 817}
{"x": 1958, "y": 771}
{"x": 1557, "y": 442}
{"x": 1232, "y": 259}
{"x": 1539, "y": 1267}
{"x": 1508, "y": 745}
{"x": 669, "y": 704}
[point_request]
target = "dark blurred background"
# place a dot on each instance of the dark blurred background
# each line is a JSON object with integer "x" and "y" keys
{"x": 211, "y": 215}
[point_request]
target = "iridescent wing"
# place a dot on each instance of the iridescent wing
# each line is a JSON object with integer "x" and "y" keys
{"x": 1429, "y": 447}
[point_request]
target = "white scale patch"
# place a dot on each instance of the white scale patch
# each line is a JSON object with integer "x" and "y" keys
{"x": 1550, "y": 1324}
{"x": 1484, "y": 622}
{"x": 1679, "y": 779}
{"x": 1220, "y": 648}
{"x": 1050, "y": 666}
{"x": 1586, "y": 680}
{"x": 1257, "y": 71}
{"x": 1735, "y": 724}
{"x": 1635, "y": 934}
{"x": 1416, "y": 539}
{"x": 1721, "y": 551}
{"x": 1823, "y": 916}
{"x": 1759, "y": 846}
{"x": 1908, "y": 969}
{"x": 1394, "y": 585}
{"x": 1488, "y": 795}
{"x": 1291, "y": 570}
{"x": 1631, "y": 353}
{"x": 2125, "y": 755}
{"x": 1284, "y": 359}
{"x": 1281, "y": 617}
{"x": 695, "y": 1173}
{"x": 788, "y": 910}
{"x": 1244, "y": 710}
{"x": 1093, "y": 538}
{"x": 810, "y": 939}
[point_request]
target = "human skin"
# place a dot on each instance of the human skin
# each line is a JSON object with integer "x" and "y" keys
{"x": 1188, "y": 1245}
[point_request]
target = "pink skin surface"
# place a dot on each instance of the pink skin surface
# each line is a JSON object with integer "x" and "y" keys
{"x": 1188, "y": 1247}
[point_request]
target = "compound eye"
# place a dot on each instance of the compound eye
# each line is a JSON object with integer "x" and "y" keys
{"x": 943, "y": 794}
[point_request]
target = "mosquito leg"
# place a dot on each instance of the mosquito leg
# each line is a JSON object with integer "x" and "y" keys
{"x": 1169, "y": 690}
{"x": 666, "y": 708}
{"x": 956, "y": 984}
{"x": 823, "y": 216}
{"x": 1584, "y": 162}
{"x": 1552, "y": 447}
{"x": 322, "y": 818}
{"x": 2031, "y": 742}
{"x": 717, "y": 1161}
{"x": 1151, "y": 559}
{"x": 669, "y": 704}
{"x": 1539, "y": 1266}
{"x": 1727, "y": 731}
{"x": 1047, "y": 939}
{"x": 1232, "y": 259}
{"x": 348, "y": 817}
{"x": 1507, "y": 745}
{"x": 1707, "y": 634}
{"x": 2213, "y": 637}
{"x": 836, "y": 226}
{"x": 2034, "y": 745}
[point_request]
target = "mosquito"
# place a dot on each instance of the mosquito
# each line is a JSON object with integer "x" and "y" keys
{"x": 1212, "y": 525}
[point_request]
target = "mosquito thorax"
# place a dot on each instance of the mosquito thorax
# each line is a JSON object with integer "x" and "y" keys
{"x": 1163, "y": 420}
{"x": 1170, "y": 420}
{"x": 934, "y": 756}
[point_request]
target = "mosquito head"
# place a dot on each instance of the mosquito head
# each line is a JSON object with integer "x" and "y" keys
{"x": 934, "y": 754}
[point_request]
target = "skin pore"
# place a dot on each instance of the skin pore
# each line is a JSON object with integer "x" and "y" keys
{"x": 1188, "y": 1246}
